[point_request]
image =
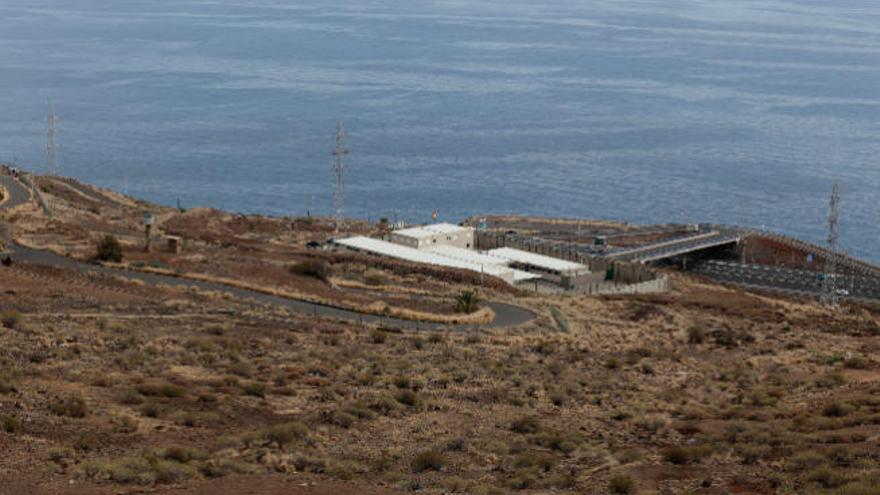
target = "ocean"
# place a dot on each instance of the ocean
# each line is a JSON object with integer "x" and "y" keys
{"x": 648, "y": 111}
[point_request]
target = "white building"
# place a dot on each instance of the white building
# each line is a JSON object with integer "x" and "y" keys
{"x": 438, "y": 234}
{"x": 449, "y": 257}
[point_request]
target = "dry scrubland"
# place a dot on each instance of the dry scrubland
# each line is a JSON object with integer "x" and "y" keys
{"x": 703, "y": 390}
{"x": 108, "y": 386}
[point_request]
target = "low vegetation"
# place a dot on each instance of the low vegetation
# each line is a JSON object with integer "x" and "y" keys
{"x": 467, "y": 302}
{"x": 10, "y": 319}
{"x": 109, "y": 249}
{"x": 316, "y": 269}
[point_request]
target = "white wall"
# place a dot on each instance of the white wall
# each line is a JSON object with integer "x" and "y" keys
{"x": 463, "y": 239}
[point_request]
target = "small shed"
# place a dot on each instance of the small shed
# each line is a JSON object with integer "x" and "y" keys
{"x": 175, "y": 244}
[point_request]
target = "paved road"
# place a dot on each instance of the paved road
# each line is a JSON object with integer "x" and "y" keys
{"x": 674, "y": 247}
{"x": 506, "y": 315}
{"x": 18, "y": 195}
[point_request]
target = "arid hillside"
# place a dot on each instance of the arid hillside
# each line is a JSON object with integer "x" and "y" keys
{"x": 110, "y": 385}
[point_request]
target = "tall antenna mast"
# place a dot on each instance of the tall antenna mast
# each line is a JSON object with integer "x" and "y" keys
{"x": 829, "y": 283}
{"x": 339, "y": 195}
{"x": 51, "y": 154}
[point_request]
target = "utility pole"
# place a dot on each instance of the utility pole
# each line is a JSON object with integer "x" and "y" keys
{"x": 51, "y": 154}
{"x": 829, "y": 282}
{"x": 339, "y": 195}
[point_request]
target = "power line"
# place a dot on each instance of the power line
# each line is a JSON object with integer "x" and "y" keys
{"x": 829, "y": 282}
{"x": 339, "y": 194}
{"x": 51, "y": 152}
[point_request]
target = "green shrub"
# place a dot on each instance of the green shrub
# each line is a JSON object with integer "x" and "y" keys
{"x": 541, "y": 460}
{"x": 678, "y": 455}
{"x": 826, "y": 477}
{"x": 7, "y": 384}
{"x": 696, "y": 335}
{"x": 10, "y": 424}
{"x": 613, "y": 363}
{"x": 72, "y": 406}
{"x": 831, "y": 380}
{"x": 109, "y": 249}
{"x": 285, "y": 433}
{"x": 378, "y": 337}
{"x": 183, "y": 454}
{"x": 167, "y": 471}
{"x": 135, "y": 470}
{"x": 141, "y": 470}
{"x": 10, "y": 319}
{"x": 428, "y": 460}
{"x": 561, "y": 320}
{"x": 255, "y": 389}
{"x": 151, "y": 410}
{"x": 375, "y": 278}
{"x": 525, "y": 425}
{"x": 344, "y": 419}
{"x": 622, "y": 484}
{"x": 836, "y": 410}
{"x": 407, "y": 397}
{"x": 467, "y": 301}
{"x": 161, "y": 389}
{"x": 857, "y": 363}
{"x": 216, "y": 468}
{"x": 384, "y": 404}
{"x": 317, "y": 269}
{"x": 359, "y": 411}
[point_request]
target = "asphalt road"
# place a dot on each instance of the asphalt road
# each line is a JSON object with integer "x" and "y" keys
{"x": 506, "y": 315}
{"x": 18, "y": 195}
{"x": 801, "y": 282}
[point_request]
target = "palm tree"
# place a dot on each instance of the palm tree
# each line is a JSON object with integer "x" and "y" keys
{"x": 467, "y": 302}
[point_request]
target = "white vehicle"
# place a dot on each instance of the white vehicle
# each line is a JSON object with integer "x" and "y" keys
{"x": 842, "y": 292}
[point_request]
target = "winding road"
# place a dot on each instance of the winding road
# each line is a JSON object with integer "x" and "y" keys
{"x": 506, "y": 315}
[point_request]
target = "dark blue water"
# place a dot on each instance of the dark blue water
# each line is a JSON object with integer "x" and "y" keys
{"x": 645, "y": 110}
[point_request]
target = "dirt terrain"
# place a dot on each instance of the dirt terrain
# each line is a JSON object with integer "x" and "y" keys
{"x": 112, "y": 386}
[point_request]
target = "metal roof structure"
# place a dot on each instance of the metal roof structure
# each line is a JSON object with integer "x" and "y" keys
{"x": 468, "y": 255}
{"x": 482, "y": 259}
{"x": 497, "y": 268}
{"x": 536, "y": 260}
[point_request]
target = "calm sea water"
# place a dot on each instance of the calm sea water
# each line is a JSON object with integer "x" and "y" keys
{"x": 644, "y": 110}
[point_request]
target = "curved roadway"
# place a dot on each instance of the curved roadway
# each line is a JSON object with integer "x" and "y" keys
{"x": 505, "y": 314}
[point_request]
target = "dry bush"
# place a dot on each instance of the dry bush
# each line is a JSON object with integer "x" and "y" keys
{"x": 526, "y": 425}
{"x": 314, "y": 268}
{"x": 622, "y": 484}
{"x": 10, "y": 424}
{"x": 72, "y": 406}
{"x": 284, "y": 433}
{"x": 428, "y": 460}
{"x": 109, "y": 249}
{"x": 10, "y": 319}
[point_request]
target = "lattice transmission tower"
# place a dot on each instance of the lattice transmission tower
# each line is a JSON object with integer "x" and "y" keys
{"x": 829, "y": 283}
{"x": 339, "y": 194}
{"x": 51, "y": 152}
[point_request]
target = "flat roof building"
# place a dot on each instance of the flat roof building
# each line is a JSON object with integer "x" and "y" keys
{"x": 495, "y": 268}
{"x": 438, "y": 234}
{"x": 539, "y": 261}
